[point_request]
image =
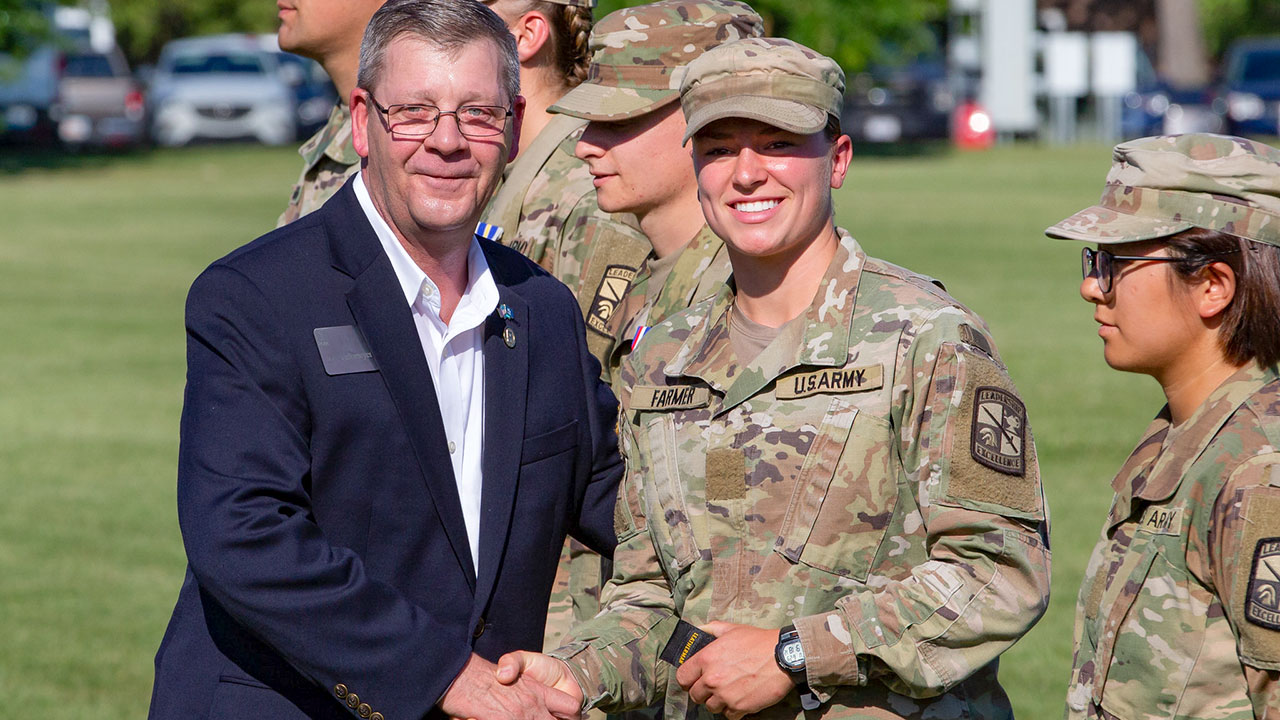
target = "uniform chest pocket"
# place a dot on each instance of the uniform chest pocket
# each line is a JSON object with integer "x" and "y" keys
{"x": 665, "y": 503}
{"x": 1151, "y": 638}
{"x": 844, "y": 497}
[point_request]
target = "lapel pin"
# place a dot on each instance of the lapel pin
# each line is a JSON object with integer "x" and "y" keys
{"x": 509, "y": 337}
{"x": 504, "y": 312}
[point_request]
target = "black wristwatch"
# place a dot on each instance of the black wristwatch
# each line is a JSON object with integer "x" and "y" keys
{"x": 789, "y": 654}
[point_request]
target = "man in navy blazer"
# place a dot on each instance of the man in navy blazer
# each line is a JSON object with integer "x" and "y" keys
{"x": 334, "y": 570}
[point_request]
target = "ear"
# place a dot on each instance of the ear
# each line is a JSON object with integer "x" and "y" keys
{"x": 360, "y": 122}
{"x": 532, "y": 31}
{"x": 517, "y": 119}
{"x": 1215, "y": 290}
{"x": 843, "y": 154}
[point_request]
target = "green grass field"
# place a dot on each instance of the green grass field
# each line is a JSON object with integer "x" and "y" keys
{"x": 95, "y": 259}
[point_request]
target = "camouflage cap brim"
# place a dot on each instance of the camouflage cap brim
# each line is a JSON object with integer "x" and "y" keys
{"x": 1128, "y": 213}
{"x": 786, "y": 114}
{"x": 1107, "y": 226}
{"x": 592, "y": 101}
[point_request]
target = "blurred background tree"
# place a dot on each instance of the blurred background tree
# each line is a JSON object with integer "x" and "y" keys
{"x": 853, "y": 32}
{"x": 144, "y": 26}
{"x": 1226, "y": 20}
{"x": 23, "y": 25}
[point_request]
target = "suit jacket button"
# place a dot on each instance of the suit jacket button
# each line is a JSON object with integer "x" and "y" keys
{"x": 479, "y": 629}
{"x": 364, "y": 710}
{"x": 340, "y": 690}
{"x": 376, "y": 716}
{"x": 353, "y": 700}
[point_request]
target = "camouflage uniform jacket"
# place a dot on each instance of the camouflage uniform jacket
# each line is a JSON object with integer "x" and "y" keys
{"x": 869, "y": 477}
{"x": 698, "y": 272}
{"x": 328, "y": 159}
{"x": 1179, "y": 614}
{"x": 555, "y": 222}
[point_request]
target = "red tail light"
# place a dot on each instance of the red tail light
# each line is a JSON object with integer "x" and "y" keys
{"x": 134, "y": 104}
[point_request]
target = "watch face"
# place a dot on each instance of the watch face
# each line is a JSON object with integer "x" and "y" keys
{"x": 793, "y": 654}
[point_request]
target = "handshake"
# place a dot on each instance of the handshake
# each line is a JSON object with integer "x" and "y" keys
{"x": 734, "y": 675}
{"x": 522, "y": 686}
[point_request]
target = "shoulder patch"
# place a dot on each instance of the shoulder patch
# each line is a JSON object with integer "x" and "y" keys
{"x": 997, "y": 436}
{"x": 992, "y": 453}
{"x": 830, "y": 381}
{"x": 1262, "y": 600}
{"x": 614, "y": 285}
{"x": 678, "y": 397}
{"x": 1255, "y": 595}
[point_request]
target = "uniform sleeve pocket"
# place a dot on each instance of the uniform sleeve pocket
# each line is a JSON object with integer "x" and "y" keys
{"x": 843, "y": 499}
{"x": 667, "y": 509}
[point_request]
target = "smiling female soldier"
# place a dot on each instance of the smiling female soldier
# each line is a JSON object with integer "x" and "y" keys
{"x": 828, "y": 466}
{"x": 1179, "y": 615}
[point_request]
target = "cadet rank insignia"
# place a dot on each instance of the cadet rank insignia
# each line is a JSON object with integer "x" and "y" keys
{"x": 1262, "y": 604}
{"x": 613, "y": 287}
{"x": 997, "y": 438}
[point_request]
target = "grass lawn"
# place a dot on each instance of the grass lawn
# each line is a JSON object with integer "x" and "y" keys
{"x": 95, "y": 259}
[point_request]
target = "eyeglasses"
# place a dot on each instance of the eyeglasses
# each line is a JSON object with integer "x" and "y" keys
{"x": 1103, "y": 264}
{"x": 421, "y": 120}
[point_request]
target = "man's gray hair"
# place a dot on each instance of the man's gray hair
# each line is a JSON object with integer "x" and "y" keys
{"x": 445, "y": 24}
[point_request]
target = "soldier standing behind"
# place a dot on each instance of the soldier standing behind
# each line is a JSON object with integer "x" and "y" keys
{"x": 1179, "y": 613}
{"x": 828, "y": 467}
{"x": 546, "y": 207}
{"x": 329, "y": 32}
{"x": 632, "y": 146}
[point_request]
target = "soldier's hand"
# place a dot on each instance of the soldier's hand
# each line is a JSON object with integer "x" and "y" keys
{"x": 539, "y": 668}
{"x": 735, "y": 675}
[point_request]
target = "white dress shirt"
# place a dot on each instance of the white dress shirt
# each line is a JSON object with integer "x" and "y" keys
{"x": 455, "y": 355}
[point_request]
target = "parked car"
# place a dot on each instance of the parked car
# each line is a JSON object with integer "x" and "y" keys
{"x": 99, "y": 103}
{"x": 29, "y": 97}
{"x": 1157, "y": 108}
{"x": 313, "y": 91}
{"x": 891, "y": 103}
{"x": 220, "y": 87}
{"x": 1251, "y": 87}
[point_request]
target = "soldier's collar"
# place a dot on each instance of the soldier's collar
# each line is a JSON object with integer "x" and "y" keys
{"x": 1200, "y": 429}
{"x": 823, "y": 329}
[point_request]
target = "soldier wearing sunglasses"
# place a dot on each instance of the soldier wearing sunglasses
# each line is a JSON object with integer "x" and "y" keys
{"x": 1179, "y": 613}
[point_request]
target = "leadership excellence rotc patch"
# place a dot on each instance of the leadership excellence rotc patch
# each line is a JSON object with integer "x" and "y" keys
{"x": 613, "y": 287}
{"x": 1262, "y": 604}
{"x": 998, "y": 434}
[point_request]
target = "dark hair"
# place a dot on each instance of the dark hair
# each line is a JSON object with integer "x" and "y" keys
{"x": 1251, "y": 323}
{"x": 832, "y": 131}
{"x": 445, "y": 24}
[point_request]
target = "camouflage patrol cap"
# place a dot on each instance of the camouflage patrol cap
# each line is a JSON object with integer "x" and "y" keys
{"x": 638, "y": 54}
{"x": 773, "y": 80}
{"x": 1159, "y": 186}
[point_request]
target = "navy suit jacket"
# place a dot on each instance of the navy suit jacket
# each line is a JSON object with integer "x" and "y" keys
{"x": 329, "y": 573}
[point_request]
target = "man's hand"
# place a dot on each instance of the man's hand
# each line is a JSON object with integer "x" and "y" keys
{"x": 476, "y": 693}
{"x": 539, "y": 668}
{"x": 735, "y": 675}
